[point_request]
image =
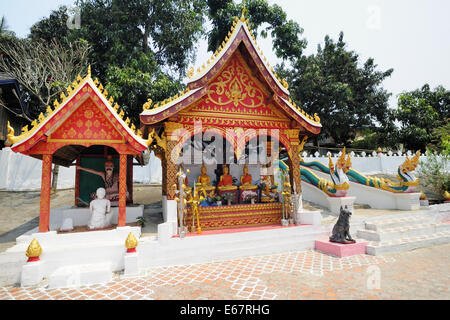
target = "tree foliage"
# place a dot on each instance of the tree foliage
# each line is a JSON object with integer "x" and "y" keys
{"x": 345, "y": 95}
{"x": 263, "y": 18}
{"x": 140, "y": 48}
{"x": 422, "y": 114}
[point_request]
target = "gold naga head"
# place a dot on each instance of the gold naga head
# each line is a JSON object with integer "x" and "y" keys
{"x": 341, "y": 161}
{"x": 330, "y": 164}
{"x": 410, "y": 164}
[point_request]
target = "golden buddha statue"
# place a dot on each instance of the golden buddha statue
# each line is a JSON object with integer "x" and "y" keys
{"x": 205, "y": 181}
{"x": 246, "y": 180}
{"x": 226, "y": 181}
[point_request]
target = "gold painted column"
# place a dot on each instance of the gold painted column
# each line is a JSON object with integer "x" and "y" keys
{"x": 173, "y": 135}
{"x": 122, "y": 189}
{"x": 46, "y": 183}
{"x": 294, "y": 159}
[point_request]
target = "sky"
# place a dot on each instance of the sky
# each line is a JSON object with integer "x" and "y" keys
{"x": 410, "y": 36}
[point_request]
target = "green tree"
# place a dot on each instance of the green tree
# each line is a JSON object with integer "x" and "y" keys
{"x": 4, "y": 28}
{"x": 140, "y": 49}
{"x": 263, "y": 18}
{"x": 346, "y": 96}
{"x": 419, "y": 113}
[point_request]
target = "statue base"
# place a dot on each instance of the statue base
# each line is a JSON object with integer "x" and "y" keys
{"x": 340, "y": 249}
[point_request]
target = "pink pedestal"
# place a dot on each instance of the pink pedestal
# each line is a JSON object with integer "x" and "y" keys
{"x": 340, "y": 250}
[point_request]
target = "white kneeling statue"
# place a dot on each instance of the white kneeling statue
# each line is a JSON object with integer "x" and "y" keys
{"x": 101, "y": 211}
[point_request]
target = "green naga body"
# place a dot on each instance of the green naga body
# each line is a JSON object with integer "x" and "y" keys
{"x": 339, "y": 183}
{"x": 407, "y": 181}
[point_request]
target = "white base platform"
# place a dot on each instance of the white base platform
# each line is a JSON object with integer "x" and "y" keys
{"x": 80, "y": 255}
{"x": 375, "y": 198}
{"x": 80, "y": 275}
{"x": 314, "y": 195}
{"x": 82, "y": 216}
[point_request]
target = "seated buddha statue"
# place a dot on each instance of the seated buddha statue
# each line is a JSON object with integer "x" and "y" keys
{"x": 246, "y": 180}
{"x": 226, "y": 181}
{"x": 205, "y": 181}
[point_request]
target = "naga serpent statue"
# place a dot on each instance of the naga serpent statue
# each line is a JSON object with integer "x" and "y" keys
{"x": 339, "y": 184}
{"x": 405, "y": 174}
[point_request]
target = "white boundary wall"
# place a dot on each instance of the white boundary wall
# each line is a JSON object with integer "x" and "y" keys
{"x": 368, "y": 163}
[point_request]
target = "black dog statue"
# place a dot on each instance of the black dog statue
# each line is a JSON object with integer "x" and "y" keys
{"x": 341, "y": 230}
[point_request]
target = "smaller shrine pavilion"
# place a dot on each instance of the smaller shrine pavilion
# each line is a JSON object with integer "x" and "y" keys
{"x": 235, "y": 91}
{"x": 85, "y": 129}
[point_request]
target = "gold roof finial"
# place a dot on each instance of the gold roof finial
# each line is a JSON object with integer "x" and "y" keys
{"x": 243, "y": 13}
{"x": 89, "y": 71}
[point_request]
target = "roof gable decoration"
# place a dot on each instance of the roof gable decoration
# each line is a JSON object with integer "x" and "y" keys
{"x": 238, "y": 23}
{"x": 149, "y": 110}
{"x": 72, "y": 90}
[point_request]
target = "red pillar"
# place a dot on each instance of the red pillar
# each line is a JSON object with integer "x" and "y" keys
{"x": 46, "y": 184}
{"x": 122, "y": 189}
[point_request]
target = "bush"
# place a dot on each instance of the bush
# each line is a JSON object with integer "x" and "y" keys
{"x": 434, "y": 172}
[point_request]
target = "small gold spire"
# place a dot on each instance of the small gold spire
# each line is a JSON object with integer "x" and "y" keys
{"x": 121, "y": 114}
{"x": 34, "y": 251}
{"x": 105, "y": 93}
{"x": 131, "y": 243}
{"x": 116, "y": 107}
{"x": 89, "y": 71}
{"x": 96, "y": 82}
{"x": 100, "y": 87}
{"x": 62, "y": 96}
{"x": 111, "y": 100}
{"x": 49, "y": 110}
{"x": 25, "y": 129}
{"x": 41, "y": 117}
{"x": 127, "y": 121}
{"x": 79, "y": 78}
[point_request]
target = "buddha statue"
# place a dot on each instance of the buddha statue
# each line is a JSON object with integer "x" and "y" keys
{"x": 248, "y": 191}
{"x": 205, "y": 181}
{"x": 226, "y": 181}
{"x": 246, "y": 180}
{"x": 100, "y": 209}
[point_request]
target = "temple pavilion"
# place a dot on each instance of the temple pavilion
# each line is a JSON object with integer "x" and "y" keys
{"x": 235, "y": 91}
{"x": 85, "y": 128}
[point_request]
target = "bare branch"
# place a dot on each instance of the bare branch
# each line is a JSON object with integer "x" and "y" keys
{"x": 44, "y": 69}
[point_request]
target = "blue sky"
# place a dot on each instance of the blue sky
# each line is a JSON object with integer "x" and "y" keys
{"x": 411, "y": 36}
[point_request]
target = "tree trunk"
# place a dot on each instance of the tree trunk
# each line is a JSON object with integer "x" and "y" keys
{"x": 55, "y": 178}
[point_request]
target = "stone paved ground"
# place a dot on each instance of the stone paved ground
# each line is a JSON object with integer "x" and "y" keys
{"x": 418, "y": 274}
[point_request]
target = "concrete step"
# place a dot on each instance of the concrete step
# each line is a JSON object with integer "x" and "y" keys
{"x": 413, "y": 230}
{"x": 80, "y": 275}
{"x": 395, "y": 222}
{"x": 405, "y": 244}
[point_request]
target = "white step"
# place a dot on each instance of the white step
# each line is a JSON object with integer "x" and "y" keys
{"x": 395, "y": 222}
{"x": 80, "y": 275}
{"x": 413, "y": 230}
{"x": 406, "y": 244}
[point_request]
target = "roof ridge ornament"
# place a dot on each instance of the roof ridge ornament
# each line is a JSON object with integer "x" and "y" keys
{"x": 243, "y": 12}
